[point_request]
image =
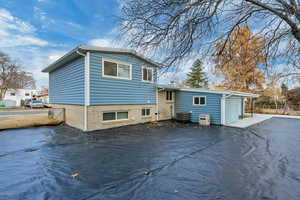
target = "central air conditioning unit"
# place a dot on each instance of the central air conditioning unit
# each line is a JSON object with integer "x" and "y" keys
{"x": 183, "y": 117}
{"x": 204, "y": 120}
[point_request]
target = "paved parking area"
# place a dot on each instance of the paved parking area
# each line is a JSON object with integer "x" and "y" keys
{"x": 167, "y": 161}
{"x": 257, "y": 118}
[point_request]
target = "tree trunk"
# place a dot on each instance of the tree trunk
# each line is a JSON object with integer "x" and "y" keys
{"x": 2, "y": 93}
{"x": 276, "y": 105}
{"x": 296, "y": 33}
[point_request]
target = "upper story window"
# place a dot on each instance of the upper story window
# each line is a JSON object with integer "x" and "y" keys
{"x": 27, "y": 94}
{"x": 169, "y": 95}
{"x": 147, "y": 74}
{"x": 12, "y": 94}
{"x": 116, "y": 70}
{"x": 199, "y": 100}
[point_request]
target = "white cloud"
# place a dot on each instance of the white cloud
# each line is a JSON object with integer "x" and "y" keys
{"x": 53, "y": 56}
{"x": 19, "y": 40}
{"x": 16, "y": 32}
{"x": 101, "y": 42}
{"x": 41, "y": 15}
{"x": 9, "y": 22}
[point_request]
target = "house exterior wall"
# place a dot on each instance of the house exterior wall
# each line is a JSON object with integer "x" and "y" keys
{"x": 113, "y": 91}
{"x": 95, "y": 116}
{"x": 74, "y": 114}
{"x": 66, "y": 84}
{"x": 165, "y": 108}
{"x": 67, "y": 87}
{"x": 184, "y": 103}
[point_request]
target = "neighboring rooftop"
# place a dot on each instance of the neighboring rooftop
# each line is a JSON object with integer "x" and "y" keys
{"x": 82, "y": 49}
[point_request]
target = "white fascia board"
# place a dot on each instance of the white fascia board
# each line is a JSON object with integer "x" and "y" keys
{"x": 206, "y": 91}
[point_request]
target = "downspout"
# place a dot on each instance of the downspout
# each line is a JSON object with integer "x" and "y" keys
{"x": 157, "y": 117}
{"x": 86, "y": 87}
{"x": 223, "y": 109}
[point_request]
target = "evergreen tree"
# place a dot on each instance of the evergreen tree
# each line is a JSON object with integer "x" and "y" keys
{"x": 197, "y": 78}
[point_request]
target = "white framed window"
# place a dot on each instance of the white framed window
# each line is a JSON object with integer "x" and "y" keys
{"x": 199, "y": 100}
{"x": 147, "y": 74}
{"x": 169, "y": 95}
{"x": 115, "y": 69}
{"x": 12, "y": 94}
{"x": 115, "y": 116}
{"x": 27, "y": 94}
{"x": 146, "y": 112}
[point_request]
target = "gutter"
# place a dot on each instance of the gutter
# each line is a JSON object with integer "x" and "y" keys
{"x": 78, "y": 52}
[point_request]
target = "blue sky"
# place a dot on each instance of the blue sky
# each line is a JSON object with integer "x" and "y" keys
{"x": 36, "y": 32}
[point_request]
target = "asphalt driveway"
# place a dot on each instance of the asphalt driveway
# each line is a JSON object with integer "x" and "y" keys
{"x": 166, "y": 161}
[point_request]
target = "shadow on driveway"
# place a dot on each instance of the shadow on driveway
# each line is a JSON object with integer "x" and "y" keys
{"x": 169, "y": 161}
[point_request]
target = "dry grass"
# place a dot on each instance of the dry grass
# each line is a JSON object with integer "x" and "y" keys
{"x": 22, "y": 121}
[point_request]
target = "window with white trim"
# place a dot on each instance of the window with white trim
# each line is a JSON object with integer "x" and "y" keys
{"x": 114, "y": 116}
{"x": 199, "y": 100}
{"x": 169, "y": 95}
{"x": 146, "y": 112}
{"x": 147, "y": 74}
{"x": 116, "y": 70}
{"x": 12, "y": 94}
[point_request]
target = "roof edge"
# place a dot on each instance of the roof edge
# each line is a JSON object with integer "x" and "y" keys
{"x": 59, "y": 61}
{"x": 51, "y": 67}
{"x": 225, "y": 92}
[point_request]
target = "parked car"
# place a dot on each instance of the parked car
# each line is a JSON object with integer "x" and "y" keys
{"x": 34, "y": 103}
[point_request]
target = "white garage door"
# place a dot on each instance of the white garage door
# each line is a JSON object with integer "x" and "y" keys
{"x": 233, "y": 109}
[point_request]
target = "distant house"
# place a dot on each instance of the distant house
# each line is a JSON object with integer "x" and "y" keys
{"x": 43, "y": 96}
{"x": 108, "y": 87}
{"x": 17, "y": 95}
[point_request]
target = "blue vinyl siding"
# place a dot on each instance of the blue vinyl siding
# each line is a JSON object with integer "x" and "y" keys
{"x": 184, "y": 103}
{"x": 66, "y": 84}
{"x": 105, "y": 90}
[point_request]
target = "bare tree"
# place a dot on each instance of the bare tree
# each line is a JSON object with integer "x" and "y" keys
{"x": 181, "y": 27}
{"x": 12, "y": 76}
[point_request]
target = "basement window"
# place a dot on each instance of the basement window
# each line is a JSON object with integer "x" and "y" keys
{"x": 146, "y": 112}
{"x": 199, "y": 100}
{"x": 116, "y": 70}
{"x": 113, "y": 116}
